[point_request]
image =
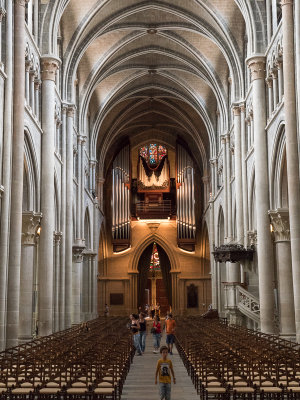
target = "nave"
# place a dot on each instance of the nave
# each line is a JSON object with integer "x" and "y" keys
{"x": 96, "y": 361}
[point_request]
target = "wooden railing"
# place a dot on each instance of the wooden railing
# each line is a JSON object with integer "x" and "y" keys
{"x": 159, "y": 210}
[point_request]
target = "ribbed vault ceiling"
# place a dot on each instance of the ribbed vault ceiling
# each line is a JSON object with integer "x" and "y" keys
{"x": 153, "y": 68}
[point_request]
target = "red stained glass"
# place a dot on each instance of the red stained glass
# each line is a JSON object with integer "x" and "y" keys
{"x": 154, "y": 262}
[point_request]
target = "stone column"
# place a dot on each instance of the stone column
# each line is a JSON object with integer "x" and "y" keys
{"x": 62, "y": 279}
{"x": 31, "y": 222}
{"x": 76, "y": 274}
{"x": 292, "y": 156}
{"x": 275, "y": 87}
{"x": 32, "y": 91}
{"x": 69, "y": 216}
{"x": 6, "y": 175}
{"x": 228, "y": 183}
{"x": 37, "y": 85}
{"x": 13, "y": 288}
{"x": 270, "y": 96}
{"x": 264, "y": 245}
{"x": 280, "y": 79}
{"x": 238, "y": 174}
{"x": 28, "y": 65}
{"x": 95, "y": 285}
{"x": 57, "y": 236}
{"x": 280, "y": 223}
{"x": 2, "y": 15}
{"x": 225, "y": 179}
{"x": 297, "y": 51}
{"x": 49, "y": 67}
{"x": 244, "y": 173}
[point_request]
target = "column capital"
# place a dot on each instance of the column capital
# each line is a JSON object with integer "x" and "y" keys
{"x": 37, "y": 84}
{"x": 50, "y": 64}
{"x": 1, "y": 190}
{"x": 30, "y": 224}
{"x": 236, "y": 109}
{"x": 269, "y": 82}
{"x": 280, "y": 223}
{"x": 28, "y": 65}
{"x": 213, "y": 161}
{"x": 2, "y": 13}
{"x": 257, "y": 65}
{"x": 21, "y": 2}
{"x": 71, "y": 108}
{"x": 252, "y": 237}
{"x": 286, "y": 2}
{"x": 242, "y": 107}
{"x": 78, "y": 249}
{"x": 57, "y": 237}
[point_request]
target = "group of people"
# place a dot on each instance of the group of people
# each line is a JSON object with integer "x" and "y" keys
{"x": 138, "y": 327}
{"x": 164, "y": 367}
{"x": 151, "y": 310}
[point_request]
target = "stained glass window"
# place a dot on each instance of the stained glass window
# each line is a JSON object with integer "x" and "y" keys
{"x": 154, "y": 262}
{"x": 153, "y": 154}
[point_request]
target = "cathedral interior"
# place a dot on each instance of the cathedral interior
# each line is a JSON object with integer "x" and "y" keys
{"x": 149, "y": 153}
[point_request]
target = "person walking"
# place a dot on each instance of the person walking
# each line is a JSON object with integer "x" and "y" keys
{"x": 142, "y": 331}
{"x": 170, "y": 331}
{"x": 156, "y": 331}
{"x": 134, "y": 328}
{"x": 164, "y": 369}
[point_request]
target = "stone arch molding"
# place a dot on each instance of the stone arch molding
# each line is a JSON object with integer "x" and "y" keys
{"x": 144, "y": 243}
{"x": 277, "y": 164}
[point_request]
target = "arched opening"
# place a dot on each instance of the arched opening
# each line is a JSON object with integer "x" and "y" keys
{"x": 154, "y": 279}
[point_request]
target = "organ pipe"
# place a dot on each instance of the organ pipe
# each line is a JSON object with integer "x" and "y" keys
{"x": 186, "y": 221}
{"x": 121, "y": 196}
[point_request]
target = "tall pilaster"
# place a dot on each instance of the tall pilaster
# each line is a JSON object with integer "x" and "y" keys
{"x": 6, "y": 173}
{"x": 76, "y": 280}
{"x": 238, "y": 174}
{"x": 57, "y": 236}
{"x": 281, "y": 228}
{"x": 292, "y": 156}
{"x": 13, "y": 288}
{"x": 49, "y": 67}
{"x": 31, "y": 222}
{"x": 264, "y": 245}
{"x": 62, "y": 280}
{"x": 69, "y": 216}
{"x": 225, "y": 179}
{"x": 228, "y": 183}
{"x": 244, "y": 173}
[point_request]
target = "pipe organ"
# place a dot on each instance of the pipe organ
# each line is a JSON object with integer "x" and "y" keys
{"x": 121, "y": 200}
{"x": 186, "y": 221}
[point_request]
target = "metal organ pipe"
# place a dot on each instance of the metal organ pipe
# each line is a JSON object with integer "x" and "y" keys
{"x": 186, "y": 226}
{"x": 121, "y": 195}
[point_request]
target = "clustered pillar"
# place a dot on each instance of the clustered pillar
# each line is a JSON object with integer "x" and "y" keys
{"x": 264, "y": 242}
{"x": 46, "y": 273}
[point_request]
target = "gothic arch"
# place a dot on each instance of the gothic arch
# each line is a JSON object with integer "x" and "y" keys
{"x": 143, "y": 244}
{"x": 87, "y": 230}
{"x": 221, "y": 226}
{"x": 30, "y": 176}
{"x": 278, "y": 181}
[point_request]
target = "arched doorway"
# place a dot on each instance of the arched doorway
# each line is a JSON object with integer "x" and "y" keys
{"x": 154, "y": 279}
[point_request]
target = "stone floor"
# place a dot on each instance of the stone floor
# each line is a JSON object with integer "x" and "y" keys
{"x": 140, "y": 380}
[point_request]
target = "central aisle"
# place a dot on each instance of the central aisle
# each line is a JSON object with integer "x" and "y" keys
{"x": 140, "y": 380}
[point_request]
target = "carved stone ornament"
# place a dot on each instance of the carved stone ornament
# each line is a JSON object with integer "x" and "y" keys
{"x": 153, "y": 226}
{"x": 30, "y": 224}
{"x": 286, "y": 2}
{"x": 57, "y": 237}
{"x": 257, "y": 66}
{"x": 280, "y": 223}
{"x": 78, "y": 249}
{"x": 236, "y": 109}
{"x": 50, "y": 65}
{"x": 252, "y": 238}
{"x": 1, "y": 190}
{"x": 21, "y": 2}
{"x": 232, "y": 253}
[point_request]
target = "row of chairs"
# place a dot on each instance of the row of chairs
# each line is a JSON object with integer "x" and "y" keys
{"x": 233, "y": 362}
{"x": 84, "y": 362}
